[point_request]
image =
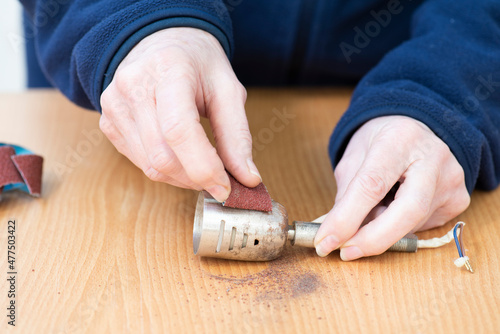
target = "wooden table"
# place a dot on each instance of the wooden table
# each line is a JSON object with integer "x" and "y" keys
{"x": 105, "y": 250}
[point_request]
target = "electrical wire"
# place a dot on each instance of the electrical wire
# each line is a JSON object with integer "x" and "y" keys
{"x": 463, "y": 260}
{"x": 436, "y": 242}
{"x": 456, "y": 233}
{"x": 458, "y": 243}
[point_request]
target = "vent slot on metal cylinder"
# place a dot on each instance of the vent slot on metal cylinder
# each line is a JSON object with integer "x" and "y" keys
{"x": 233, "y": 236}
{"x": 221, "y": 236}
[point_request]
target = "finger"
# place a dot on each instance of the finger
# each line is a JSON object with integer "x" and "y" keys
{"x": 180, "y": 126}
{"x": 348, "y": 166}
{"x": 161, "y": 163}
{"x": 414, "y": 204}
{"x": 376, "y": 211}
{"x": 454, "y": 195}
{"x": 115, "y": 122}
{"x": 368, "y": 187}
{"x": 123, "y": 146}
{"x": 226, "y": 112}
{"x": 457, "y": 204}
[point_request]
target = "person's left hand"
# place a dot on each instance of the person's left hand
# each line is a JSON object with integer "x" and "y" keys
{"x": 383, "y": 152}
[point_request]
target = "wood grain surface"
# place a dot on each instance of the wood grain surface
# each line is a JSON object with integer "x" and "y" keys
{"x": 105, "y": 250}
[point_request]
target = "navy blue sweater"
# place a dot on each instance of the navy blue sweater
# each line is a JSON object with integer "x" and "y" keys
{"x": 437, "y": 61}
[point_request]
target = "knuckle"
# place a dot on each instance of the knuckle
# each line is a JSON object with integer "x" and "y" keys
{"x": 442, "y": 152}
{"x": 420, "y": 206}
{"x": 175, "y": 131}
{"x": 241, "y": 91}
{"x": 231, "y": 84}
{"x": 203, "y": 173}
{"x": 108, "y": 128}
{"x": 153, "y": 174}
{"x": 404, "y": 129}
{"x": 239, "y": 139}
{"x": 107, "y": 98}
{"x": 373, "y": 186}
{"x": 341, "y": 170}
{"x": 105, "y": 125}
{"x": 245, "y": 137}
{"x": 457, "y": 176}
{"x": 463, "y": 201}
{"x": 161, "y": 60}
{"x": 127, "y": 80}
{"x": 179, "y": 72}
{"x": 201, "y": 176}
{"x": 338, "y": 173}
{"x": 115, "y": 108}
{"x": 163, "y": 163}
{"x": 244, "y": 143}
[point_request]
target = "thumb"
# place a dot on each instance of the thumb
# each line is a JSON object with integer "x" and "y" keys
{"x": 226, "y": 112}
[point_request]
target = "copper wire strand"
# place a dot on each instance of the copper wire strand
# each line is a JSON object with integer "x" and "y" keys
{"x": 460, "y": 239}
{"x": 460, "y": 230}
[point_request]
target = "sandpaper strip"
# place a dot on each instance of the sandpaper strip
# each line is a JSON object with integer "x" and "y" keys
{"x": 8, "y": 171}
{"x": 30, "y": 167}
{"x": 242, "y": 197}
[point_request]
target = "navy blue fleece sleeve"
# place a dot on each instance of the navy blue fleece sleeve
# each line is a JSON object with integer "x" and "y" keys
{"x": 447, "y": 75}
{"x": 80, "y": 43}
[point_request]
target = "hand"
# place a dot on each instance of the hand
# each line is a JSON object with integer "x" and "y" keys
{"x": 383, "y": 152}
{"x": 151, "y": 112}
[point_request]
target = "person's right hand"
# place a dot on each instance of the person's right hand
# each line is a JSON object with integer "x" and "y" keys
{"x": 151, "y": 112}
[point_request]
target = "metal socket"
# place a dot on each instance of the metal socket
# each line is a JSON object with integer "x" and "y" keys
{"x": 249, "y": 235}
{"x": 238, "y": 234}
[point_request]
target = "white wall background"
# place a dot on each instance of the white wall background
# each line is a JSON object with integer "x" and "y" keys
{"x": 12, "y": 62}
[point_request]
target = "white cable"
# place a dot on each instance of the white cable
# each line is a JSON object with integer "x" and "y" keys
{"x": 436, "y": 242}
{"x": 429, "y": 243}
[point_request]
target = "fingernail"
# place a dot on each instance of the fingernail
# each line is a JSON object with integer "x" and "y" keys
{"x": 327, "y": 245}
{"x": 350, "y": 253}
{"x": 253, "y": 169}
{"x": 218, "y": 192}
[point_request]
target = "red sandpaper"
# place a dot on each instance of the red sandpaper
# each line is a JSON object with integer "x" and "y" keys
{"x": 8, "y": 171}
{"x": 30, "y": 167}
{"x": 242, "y": 197}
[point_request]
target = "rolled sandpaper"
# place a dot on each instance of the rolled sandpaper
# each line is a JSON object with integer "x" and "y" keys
{"x": 20, "y": 169}
{"x": 8, "y": 171}
{"x": 242, "y": 197}
{"x": 30, "y": 168}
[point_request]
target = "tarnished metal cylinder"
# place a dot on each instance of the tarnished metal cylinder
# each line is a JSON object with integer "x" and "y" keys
{"x": 238, "y": 234}
{"x": 408, "y": 244}
{"x": 250, "y": 235}
{"x": 303, "y": 234}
